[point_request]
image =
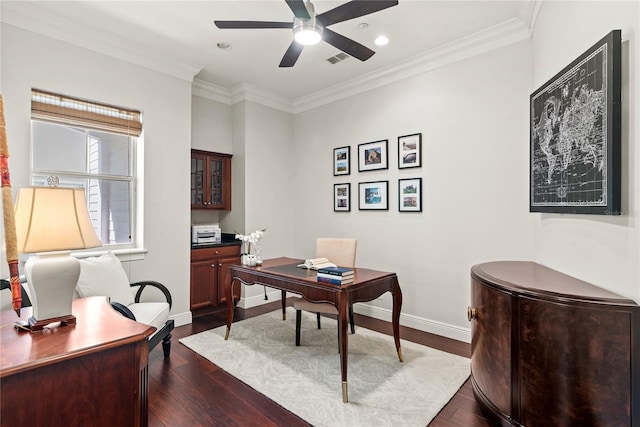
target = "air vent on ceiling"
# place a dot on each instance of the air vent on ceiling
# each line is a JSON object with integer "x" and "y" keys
{"x": 338, "y": 58}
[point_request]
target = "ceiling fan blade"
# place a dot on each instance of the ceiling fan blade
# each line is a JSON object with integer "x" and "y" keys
{"x": 354, "y": 9}
{"x": 298, "y": 8}
{"x": 347, "y": 45}
{"x": 252, "y": 24}
{"x": 292, "y": 54}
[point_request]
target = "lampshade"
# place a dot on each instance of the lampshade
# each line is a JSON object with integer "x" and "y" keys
{"x": 53, "y": 219}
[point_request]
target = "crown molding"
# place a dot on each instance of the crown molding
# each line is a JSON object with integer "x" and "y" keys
{"x": 247, "y": 92}
{"x": 26, "y": 16}
{"x": 211, "y": 91}
{"x": 528, "y": 12}
{"x": 496, "y": 37}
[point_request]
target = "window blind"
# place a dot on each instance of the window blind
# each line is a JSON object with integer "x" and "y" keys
{"x": 57, "y": 108}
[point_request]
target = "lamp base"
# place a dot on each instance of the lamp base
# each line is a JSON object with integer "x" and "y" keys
{"x": 38, "y": 325}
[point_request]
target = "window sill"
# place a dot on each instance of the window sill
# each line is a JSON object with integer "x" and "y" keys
{"x": 128, "y": 254}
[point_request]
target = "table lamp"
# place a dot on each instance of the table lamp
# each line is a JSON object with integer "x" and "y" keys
{"x": 51, "y": 221}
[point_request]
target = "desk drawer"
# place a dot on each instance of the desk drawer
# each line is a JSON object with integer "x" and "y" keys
{"x": 217, "y": 252}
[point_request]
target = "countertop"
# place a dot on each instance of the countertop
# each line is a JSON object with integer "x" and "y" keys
{"x": 228, "y": 239}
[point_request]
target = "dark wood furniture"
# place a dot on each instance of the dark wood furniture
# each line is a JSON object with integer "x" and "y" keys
{"x": 210, "y": 273}
{"x": 549, "y": 349}
{"x": 210, "y": 180}
{"x": 282, "y": 273}
{"x": 94, "y": 373}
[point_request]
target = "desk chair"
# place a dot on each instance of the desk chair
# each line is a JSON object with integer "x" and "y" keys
{"x": 341, "y": 252}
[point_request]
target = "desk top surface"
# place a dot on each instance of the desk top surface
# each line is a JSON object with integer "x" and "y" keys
{"x": 287, "y": 267}
{"x": 98, "y": 327}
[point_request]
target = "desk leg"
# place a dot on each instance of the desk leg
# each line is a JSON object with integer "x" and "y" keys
{"x": 343, "y": 337}
{"x": 397, "y": 305}
{"x": 228, "y": 290}
{"x": 284, "y": 305}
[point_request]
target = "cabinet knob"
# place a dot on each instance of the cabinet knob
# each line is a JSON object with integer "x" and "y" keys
{"x": 213, "y": 266}
{"x": 216, "y": 252}
{"x": 472, "y": 313}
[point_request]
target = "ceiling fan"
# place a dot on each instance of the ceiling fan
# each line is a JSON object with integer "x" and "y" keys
{"x": 309, "y": 28}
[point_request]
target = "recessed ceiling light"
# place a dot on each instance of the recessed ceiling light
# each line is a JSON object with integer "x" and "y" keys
{"x": 223, "y": 45}
{"x": 363, "y": 25}
{"x": 381, "y": 40}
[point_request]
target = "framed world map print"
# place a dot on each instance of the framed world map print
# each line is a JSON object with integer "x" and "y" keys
{"x": 575, "y": 135}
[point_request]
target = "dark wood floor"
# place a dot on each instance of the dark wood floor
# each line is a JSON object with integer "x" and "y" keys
{"x": 188, "y": 390}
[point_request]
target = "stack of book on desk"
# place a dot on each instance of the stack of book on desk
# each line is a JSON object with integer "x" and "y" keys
{"x": 335, "y": 275}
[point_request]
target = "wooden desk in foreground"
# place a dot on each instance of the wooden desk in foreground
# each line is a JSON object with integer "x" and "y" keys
{"x": 93, "y": 373}
{"x": 282, "y": 273}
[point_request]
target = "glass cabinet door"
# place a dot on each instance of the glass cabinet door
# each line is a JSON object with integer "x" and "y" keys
{"x": 216, "y": 173}
{"x": 197, "y": 180}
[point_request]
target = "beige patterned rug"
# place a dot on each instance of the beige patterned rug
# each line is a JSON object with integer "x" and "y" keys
{"x": 261, "y": 352}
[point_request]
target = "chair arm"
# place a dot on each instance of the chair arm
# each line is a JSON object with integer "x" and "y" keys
{"x": 122, "y": 309}
{"x": 153, "y": 284}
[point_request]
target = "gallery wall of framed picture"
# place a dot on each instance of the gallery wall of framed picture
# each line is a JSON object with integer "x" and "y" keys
{"x": 374, "y": 157}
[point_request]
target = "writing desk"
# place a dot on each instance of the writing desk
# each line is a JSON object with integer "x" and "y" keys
{"x": 282, "y": 273}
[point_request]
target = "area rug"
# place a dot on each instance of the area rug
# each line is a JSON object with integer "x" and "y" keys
{"x": 261, "y": 352}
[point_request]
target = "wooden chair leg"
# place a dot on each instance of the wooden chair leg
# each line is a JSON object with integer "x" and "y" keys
{"x": 298, "y": 322}
{"x": 318, "y": 316}
{"x": 353, "y": 326}
{"x": 166, "y": 345}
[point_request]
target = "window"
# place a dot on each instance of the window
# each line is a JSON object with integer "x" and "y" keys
{"x": 92, "y": 146}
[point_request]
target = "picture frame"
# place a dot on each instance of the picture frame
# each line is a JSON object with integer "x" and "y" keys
{"x": 575, "y": 135}
{"x": 410, "y": 151}
{"x": 342, "y": 197}
{"x": 410, "y": 195}
{"x": 341, "y": 161}
{"x": 373, "y": 155}
{"x": 373, "y": 195}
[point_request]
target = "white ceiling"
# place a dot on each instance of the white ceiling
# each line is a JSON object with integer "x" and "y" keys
{"x": 179, "y": 37}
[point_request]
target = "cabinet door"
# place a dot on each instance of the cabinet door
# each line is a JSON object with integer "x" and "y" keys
{"x": 575, "y": 364}
{"x": 203, "y": 289}
{"x": 198, "y": 180}
{"x": 224, "y": 277}
{"x": 491, "y": 346}
{"x": 218, "y": 182}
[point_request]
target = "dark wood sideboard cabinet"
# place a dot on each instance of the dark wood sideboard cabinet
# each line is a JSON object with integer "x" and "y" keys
{"x": 210, "y": 272}
{"x": 210, "y": 180}
{"x": 93, "y": 373}
{"x": 548, "y": 349}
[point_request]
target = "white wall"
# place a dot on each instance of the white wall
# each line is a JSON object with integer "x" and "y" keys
{"x": 270, "y": 200}
{"x": 210, "y": 131}
{"x": 473, "y": 118}
{"x": 32, "y": 61}
{"x": 599, "y": 249}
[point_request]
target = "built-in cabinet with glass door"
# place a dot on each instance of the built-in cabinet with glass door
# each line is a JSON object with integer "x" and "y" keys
{"x": 210, "y": 180}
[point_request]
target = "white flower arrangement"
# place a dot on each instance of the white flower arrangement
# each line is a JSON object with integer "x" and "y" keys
{"x": 250, "y": 239}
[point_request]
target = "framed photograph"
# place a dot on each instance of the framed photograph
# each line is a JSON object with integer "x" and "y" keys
{"x": 341, "y": 161}
{"x": 342, "y": 197}
{"x": 373, "y": 195}
{"x": 410, "y": 195}
{"x": 575, "y": 135}
{"x": 410, "y": 151}
{"x": 373, "y": 156}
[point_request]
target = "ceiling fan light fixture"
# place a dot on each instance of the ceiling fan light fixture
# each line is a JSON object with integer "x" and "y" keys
{"x": 307, "y": 32}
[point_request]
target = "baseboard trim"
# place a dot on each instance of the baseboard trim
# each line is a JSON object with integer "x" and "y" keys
{"x": 181, "y": 319}
{"x": 426, "y": 325}
{"x": 420, "y": 323}
{"x": 256, "y": 300}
